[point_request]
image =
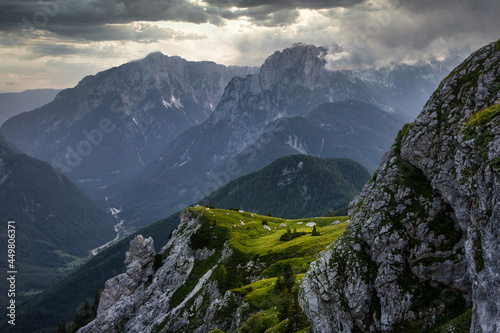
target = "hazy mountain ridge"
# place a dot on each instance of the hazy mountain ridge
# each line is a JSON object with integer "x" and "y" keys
{"x": 408, "y": 87}
{"x": 12, "y": 104}
{"x": 111, "y": 125}
{"x": 56, "y": 224}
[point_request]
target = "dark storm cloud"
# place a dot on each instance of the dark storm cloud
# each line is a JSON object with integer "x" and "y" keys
{"x": 65, "y": 50}
{"x": 142, "y": 33}
{"x": 72, "y": 18}
{"x": 96, "y": 12}
{"x": 275, "y": 12}
{"x": 417, "y": 24}
{"x": 408, "y": 30}
{"x": 285, "y": 4}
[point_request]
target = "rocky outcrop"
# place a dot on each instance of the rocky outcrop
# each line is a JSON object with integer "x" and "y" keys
{"x": 157, "y": 294}
{"x": 423, "y": 242}
{"x": 139, "y": 263}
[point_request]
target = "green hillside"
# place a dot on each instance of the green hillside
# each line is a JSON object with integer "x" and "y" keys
{"x": 56, "y": 224}
{"x": 265, "y": 298}
{"x": 293, "y": 187}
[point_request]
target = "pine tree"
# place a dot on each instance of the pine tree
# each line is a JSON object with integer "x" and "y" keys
{"x": 289, "y": 308}
{"x": 279, "y": 284}
{"x": 296, "y": 318}
{"x": 315, "y": 232}
{"x": 222, "y": 277}
{"x": 288, "y": 276}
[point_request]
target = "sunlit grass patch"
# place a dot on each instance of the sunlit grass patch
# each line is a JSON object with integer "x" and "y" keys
{"x": 257, "y": 250}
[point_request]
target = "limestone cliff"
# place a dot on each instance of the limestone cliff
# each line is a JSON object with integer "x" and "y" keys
{"x": 135, "y": 301}
{"x": 423, "y": 243}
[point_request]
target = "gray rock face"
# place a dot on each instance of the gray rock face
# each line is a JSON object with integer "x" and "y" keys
{"x": 146, "y": 298}
{"x": 291, "y": 82}
{"x": 115, "y": 303}
{"x": 424, "y": 232}
{"x": 126, "y": 300}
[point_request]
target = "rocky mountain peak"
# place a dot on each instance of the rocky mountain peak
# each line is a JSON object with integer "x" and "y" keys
{"x": 154, "y": 56}
{"x": 291, "y": 82}
{"x": 301, "y": 62}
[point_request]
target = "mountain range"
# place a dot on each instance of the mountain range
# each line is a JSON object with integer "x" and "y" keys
{"x": 113, "y": 124}
{"x": 155, "y": 135}
{"x": 291, "y": 83}
{"x": 12, "y": 104}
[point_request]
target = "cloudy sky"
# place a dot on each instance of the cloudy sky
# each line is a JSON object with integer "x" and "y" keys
{"x": 55, "y": 43}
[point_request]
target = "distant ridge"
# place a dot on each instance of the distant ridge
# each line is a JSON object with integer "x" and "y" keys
{"x": 56, "y": 224}
{"x": 295, "y": 186}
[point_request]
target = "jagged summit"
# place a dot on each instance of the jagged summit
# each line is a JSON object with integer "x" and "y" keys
{"x": 299, "y": 64}
{"x": 154, "y": 55}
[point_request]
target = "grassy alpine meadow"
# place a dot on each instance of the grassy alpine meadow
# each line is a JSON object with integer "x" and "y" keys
{"x": 275, "y": 264}
{"x": 248, "y": 235}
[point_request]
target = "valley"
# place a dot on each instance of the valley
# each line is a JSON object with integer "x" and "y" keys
{"x": 120, "y": 233}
